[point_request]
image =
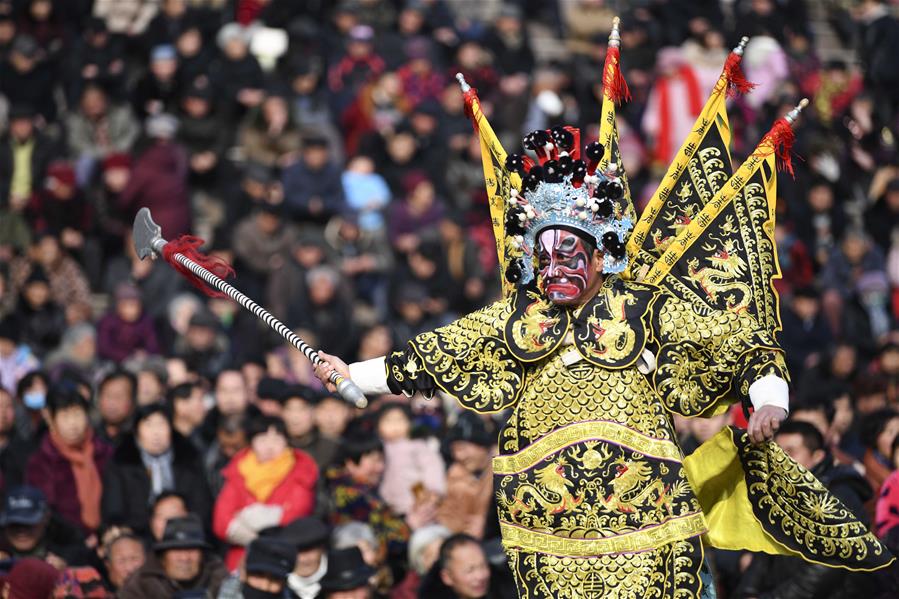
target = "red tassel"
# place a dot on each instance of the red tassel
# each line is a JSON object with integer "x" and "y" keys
{"x": 737, "y": 84}
{"x": 781, "y": 139}
{"x": 188, "y": 246}
{"x": 470, "y": 97}
{"x": 613, "y": 84}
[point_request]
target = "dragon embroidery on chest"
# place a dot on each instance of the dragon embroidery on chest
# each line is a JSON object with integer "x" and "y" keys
{"x": 530, "y": 330}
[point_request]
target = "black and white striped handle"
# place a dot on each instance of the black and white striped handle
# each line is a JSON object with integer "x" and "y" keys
{"x": 347, "y": 389}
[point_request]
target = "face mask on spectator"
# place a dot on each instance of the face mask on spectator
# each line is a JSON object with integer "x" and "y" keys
{"x": 35, "y": 400}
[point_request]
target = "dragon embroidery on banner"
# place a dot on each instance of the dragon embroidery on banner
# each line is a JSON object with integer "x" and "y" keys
{"x": 722, "y": 276}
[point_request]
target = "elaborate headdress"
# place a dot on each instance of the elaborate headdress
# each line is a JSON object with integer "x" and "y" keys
{"x": 586, "y": 190}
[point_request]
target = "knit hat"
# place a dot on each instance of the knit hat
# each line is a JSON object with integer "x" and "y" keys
{"x": 268, "y": 555}
{"x": 31, "y": 578}
{"x": 117, "y": 161}
{"x": 162, "y": 126}
{"x": 60, "y": 172}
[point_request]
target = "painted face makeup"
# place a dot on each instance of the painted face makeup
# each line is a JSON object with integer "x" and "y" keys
{"x": 564, "y": 263}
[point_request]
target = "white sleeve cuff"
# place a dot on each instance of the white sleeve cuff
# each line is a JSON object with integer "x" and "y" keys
{"x": 770, "y": 390}
{"x": 370, "y": 376}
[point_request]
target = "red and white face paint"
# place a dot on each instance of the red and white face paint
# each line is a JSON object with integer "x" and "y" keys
{"x": 564, "y": 263}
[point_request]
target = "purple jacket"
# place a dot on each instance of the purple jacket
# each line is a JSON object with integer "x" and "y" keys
{"x": 50, "y": 472}
{"x": 159, "y": 182}
{"x": 118, "y": 339}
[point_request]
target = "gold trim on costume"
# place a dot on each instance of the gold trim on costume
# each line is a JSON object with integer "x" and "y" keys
{"x": 675, "y": 529}
{"x": 585, "y": 431}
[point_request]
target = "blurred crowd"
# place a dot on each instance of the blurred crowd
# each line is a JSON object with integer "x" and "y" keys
{"x": 158, "y": 443}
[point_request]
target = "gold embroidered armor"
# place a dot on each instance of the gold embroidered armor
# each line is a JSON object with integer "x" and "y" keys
{"x": 590, "y": 476}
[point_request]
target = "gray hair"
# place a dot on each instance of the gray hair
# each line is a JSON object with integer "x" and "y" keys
{"x": 350, "y": 534}
{"x": 323, "y": 272}
{"x": 420, "y": 539}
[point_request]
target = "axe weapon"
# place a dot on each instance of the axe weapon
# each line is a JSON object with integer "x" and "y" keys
{"x": 149, "y": 243}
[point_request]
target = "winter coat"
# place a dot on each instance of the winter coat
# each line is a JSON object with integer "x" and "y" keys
{"x": 295, "y": 495}
{"x": 119, "y": 130}
{"x": 159, "y": 182}
{"x": 50, "y": 472}
{"x": 302, "y": 185}
{"x": 117, "y": 339}
{"x": 410, "y": 462}
{"x": 127, "y": 488}
{"x": 150, "y": 581}
{"x": 41, "y": 156}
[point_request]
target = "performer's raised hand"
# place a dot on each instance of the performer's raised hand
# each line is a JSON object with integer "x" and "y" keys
{"x": 764, "y": 422}
{"x": 328, "y": 365}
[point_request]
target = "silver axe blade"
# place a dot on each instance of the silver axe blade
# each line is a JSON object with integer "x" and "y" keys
{"x": 149, "y": 243}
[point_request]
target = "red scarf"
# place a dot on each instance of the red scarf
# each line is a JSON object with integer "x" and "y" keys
{"x": 88, "y": 485}
{"x": 663, "y": 149}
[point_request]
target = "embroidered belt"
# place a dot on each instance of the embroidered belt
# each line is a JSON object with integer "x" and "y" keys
{"x": 603, "y": 430}
{"x": 645, "y": 539}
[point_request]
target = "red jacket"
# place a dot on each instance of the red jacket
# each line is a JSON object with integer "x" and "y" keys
{"x": 295, "y": 495}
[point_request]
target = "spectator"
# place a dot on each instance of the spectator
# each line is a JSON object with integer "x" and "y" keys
{"x": 332, "y": 415}
{"x": 366, "y": 193}
{"x": 264, "y": 572}
{"x": 68, "y": 285}
{"x": 354, "y": 494}
{"x": 126, "y": 330}
{"x": 309, "y": 538}
{"x": 299, "y": 422}
{"x": 158, "y": 90}
{"x": 424, "y": 548}
{"x": 462, "y": 571}
{"x": 414, "y": 473}
{"x": 28, "y": 78}
{"x": 230, "y": 438}
{"x": 147, "y": 463}
{"x": 125, "y": 554}
{"x": 70, "y": 458}
{"x": 116, "y": 403}
{"x": 187, "y": 404}
{"x": 348, "y": 575}
{"x": 166, "y": 506}
{"x": 262, "y": 241}
{"x": 159, "y": 179}
{"x": 98, "y": 130}
{"x": 28, "y": 529}
{"x": 266, "y": 484}
{"x": 805, "y": 331}
{"x": 204, "y": 347}
{"x": 25, "y": 154}
{"x": 469, "y": 478}
{"x": 420, "y": 210}
{"x": 359, "y": 64}
{"x": 362, "y": 537}
{"x": 96, "y": 59}
{"x": 269, "y": 135}
{"x": 29, "y": 578}
{"x": 879, "y": 430}
{"x": 329, "y": 312}
{"x": 14, "y": 449}
{"x": 181, "y": 561}
{"x": 312, "y": 186}
{"x": 203, "y": 134}
{"x": 16, "y": 359}
{"x": 237, "y": 73}
{"x": 231, "y": 400}
{"x": 31, "y": 395}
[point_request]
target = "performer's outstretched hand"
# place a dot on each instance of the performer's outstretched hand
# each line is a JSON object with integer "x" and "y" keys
{"x": 764, "y": 422}
{"x": 328, "y": 365}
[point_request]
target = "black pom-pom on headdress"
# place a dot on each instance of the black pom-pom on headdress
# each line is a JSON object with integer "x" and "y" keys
{"x": 615, "y": 190}
{"x": 566, "y": 165}
{"x": 532, "y": 179}
{"x": 515, "y": 163}
{"x": 578, "y": 172}
{"x": 613, "y": 245}
{"x": 605, "y": 209}
{"x": 552, "y": 172}
{"x": 514, "y": 224}
{"x": 538, "y": 139}
{"x": 513, "y": 272}
{"x": 563, "y": 138}
{"x": 602, "y": 189}
{"x": 593, "y": 153}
